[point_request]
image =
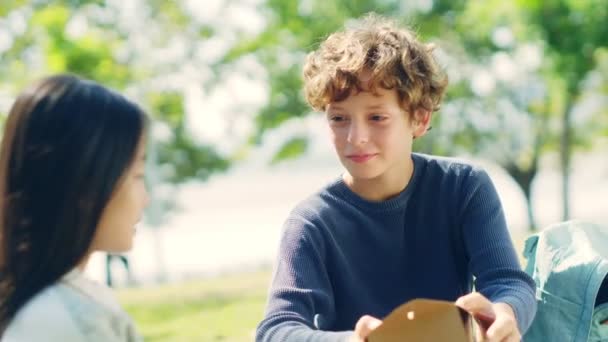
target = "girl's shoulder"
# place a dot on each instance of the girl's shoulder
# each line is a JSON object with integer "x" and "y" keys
{"x": 45, "y": 317}
{"x": 95, "y": 309}
{"x": 75, "y": 309}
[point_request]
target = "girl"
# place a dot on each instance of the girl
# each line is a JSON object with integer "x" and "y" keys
{"x": 71, "y": 183}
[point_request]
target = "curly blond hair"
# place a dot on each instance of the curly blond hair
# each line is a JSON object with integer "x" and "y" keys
{"x": 392, "y": 55}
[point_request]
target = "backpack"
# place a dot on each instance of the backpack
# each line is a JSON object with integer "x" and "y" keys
{"x": 569, "y": 264}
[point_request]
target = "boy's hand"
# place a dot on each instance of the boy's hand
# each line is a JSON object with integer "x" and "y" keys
{"x": 364, "y": 327}
{"x": 496, "y": 320}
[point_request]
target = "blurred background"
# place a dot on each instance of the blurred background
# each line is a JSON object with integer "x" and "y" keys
{"x": 234, "y": 147}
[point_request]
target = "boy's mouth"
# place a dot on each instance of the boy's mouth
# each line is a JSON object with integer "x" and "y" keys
{"x": 361, "y": 158}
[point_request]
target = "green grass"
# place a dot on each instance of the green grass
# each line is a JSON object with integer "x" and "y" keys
{"x": 225, "y": 309}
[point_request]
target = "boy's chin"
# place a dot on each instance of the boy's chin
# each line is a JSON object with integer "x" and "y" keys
{"x": 362, "y": 175}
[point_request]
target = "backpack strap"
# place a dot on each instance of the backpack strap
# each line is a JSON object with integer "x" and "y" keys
{"x": 530, "y": 254}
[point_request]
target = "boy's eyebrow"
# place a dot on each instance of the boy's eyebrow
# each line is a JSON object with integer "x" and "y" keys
{"x": 370, "y": 107}
{"x": 375, "y": 106}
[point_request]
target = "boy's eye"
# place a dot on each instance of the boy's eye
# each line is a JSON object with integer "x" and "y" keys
{"x": 337, "y": 118}
{"x": 378, "y": 117}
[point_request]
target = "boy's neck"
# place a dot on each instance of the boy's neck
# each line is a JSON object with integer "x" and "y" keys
{"x": 385, "y": 186}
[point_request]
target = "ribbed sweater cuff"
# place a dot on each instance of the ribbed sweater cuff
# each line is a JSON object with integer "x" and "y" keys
{"x": 524, "y": 311}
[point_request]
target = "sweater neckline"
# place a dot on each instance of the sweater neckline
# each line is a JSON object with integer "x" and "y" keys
{"x": 394, "y": 203}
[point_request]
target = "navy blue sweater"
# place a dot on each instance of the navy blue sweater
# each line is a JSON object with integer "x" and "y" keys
{"x": 342, "y": 257}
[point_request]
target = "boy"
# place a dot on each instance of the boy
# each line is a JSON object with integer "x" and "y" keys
{"x": 397, "y": 225}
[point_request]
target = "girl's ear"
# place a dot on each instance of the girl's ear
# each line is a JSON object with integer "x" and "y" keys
{"x": 421, "y": 122}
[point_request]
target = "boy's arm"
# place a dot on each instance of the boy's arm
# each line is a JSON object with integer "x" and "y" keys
{"x": 493, "y": 260}
{"x": 301, "y": 298}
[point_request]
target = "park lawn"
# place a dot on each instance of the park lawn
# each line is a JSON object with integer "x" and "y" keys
{"x": 226, "y": 308}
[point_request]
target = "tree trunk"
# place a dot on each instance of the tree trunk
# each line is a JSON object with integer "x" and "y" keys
{"x": 524, "y": 177}
{"x": 565, "y": 154}
{"x": 155, "y": 212}
{"x": 527, "y": 187}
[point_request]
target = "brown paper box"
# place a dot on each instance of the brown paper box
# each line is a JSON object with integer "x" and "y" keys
{"x": 424, "y": 320}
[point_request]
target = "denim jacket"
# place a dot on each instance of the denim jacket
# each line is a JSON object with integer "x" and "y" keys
{"x": 74, "y": 309}
{"x": 568, "y": 262}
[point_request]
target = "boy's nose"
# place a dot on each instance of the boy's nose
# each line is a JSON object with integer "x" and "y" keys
{"x": 358, "y": 134}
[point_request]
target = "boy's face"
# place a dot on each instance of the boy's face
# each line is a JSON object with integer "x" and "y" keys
{"x": 373, "y": 134}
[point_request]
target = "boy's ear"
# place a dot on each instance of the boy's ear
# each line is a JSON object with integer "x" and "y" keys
{"x": 421, "y": 122}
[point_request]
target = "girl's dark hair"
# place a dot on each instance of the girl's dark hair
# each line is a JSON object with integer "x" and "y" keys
{"x": 67, "y": 143}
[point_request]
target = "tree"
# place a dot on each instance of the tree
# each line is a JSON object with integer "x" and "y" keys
{"x": 574, "y": 33}
{"x": 92, "y": 39}
{"x": 497, "y": 105}
{"x": 88, "y": 38}
{"x": 492, "y": 34}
